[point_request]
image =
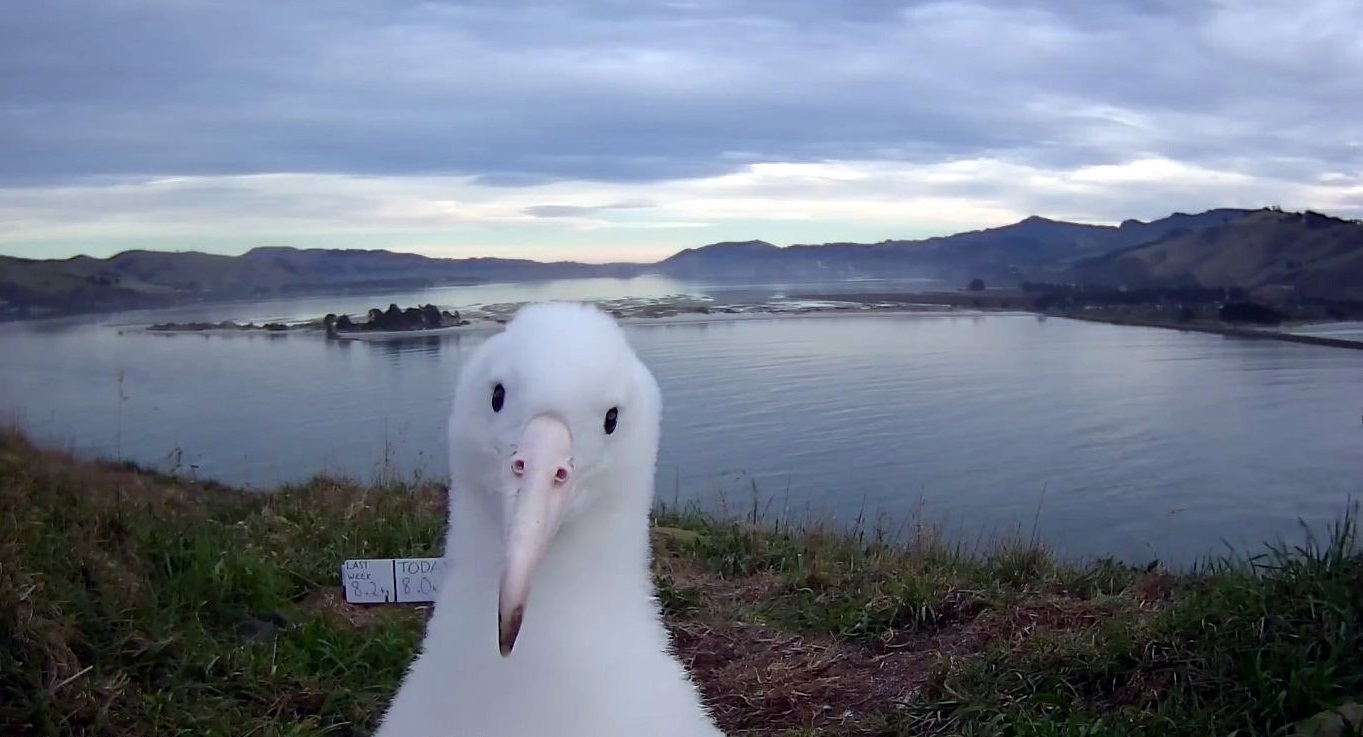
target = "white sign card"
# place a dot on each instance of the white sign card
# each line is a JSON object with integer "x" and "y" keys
{"x": 391, "y": 580}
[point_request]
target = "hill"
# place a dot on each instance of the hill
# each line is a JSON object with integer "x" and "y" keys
{"x": 1307, "y": 254}
{"x": 138, "y": 279}
{"x": 1035, "y": 248}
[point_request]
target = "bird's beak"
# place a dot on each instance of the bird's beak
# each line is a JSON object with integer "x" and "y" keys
{"x": 541, "y": 478}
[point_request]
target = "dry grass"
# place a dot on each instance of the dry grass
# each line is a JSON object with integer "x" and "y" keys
{"x": 136, "y": 603}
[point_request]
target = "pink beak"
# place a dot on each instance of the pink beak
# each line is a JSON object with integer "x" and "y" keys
{"x": 541, "y": 477}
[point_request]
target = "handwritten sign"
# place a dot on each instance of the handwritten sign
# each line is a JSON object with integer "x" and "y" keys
{"x": 391, "y": 580}
{"x": 368, "y": 581}
{"x": 417, "y": 579}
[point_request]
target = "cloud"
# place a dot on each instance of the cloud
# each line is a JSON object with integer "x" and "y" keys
{"x": 568, "y": 211}
{"x": 902, "y": 199}
{"x": 169, "y": 115}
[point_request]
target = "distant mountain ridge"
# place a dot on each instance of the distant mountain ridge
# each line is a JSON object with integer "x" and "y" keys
{"x": 1034, "y": 248}
{"x": 1306, "y": 253}
{"x": 139, "y": 279}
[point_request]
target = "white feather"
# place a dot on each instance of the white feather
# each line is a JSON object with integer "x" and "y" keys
{"x": 593, "y": 658}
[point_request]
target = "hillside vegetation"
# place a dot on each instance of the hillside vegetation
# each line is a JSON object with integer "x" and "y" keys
{"x": 138, "y": 604}
{"x": 1306, "y": 253}
{"x": 138, "y": 279}
{"x": 1035, "y": 248}
{"x": 1303, "y": 254}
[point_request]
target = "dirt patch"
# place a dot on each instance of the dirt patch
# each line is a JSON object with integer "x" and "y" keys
{"x": 759, "y": 678}
{"x": 1017, "y": 623}
{"x": 713, "y": 588}
{"x": 329, "y": 603}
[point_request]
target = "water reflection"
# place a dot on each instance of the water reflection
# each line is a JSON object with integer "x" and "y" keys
{"x": 422, "y": 345}
{"x": 1133, "y": 442}
{"x": 464, "y": 297}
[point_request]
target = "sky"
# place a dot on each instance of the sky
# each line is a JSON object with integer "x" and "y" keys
{"x": 600, "y": 130}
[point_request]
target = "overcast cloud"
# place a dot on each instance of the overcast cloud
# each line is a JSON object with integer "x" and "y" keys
{"x": 600, "y": 129}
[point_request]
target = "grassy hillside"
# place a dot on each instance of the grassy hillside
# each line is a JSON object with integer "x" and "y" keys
{"x": 1311, "y": 253}
{"x": 68, "y": 286}
{"x": 132, "y": 603}
{"x": 1035, "y": 248}
{"x": 1317, "y": 255}
{"x": 135, "y": 279}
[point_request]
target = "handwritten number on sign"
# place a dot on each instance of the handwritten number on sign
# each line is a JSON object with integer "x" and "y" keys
{"x": 382, "y": 580}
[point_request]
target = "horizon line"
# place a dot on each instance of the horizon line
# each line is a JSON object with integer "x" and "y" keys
{"x": 1118, "y": 224}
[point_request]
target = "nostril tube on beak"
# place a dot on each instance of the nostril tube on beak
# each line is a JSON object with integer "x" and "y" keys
{"x": 537, "y": 493}
{"x": 561, "y": 474}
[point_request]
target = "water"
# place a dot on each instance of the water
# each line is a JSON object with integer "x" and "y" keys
{"x": 1133, "y": 442}
{"x": 1342, "y": 330}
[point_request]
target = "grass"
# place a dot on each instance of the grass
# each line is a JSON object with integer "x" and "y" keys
{"x": 137, "y": 603}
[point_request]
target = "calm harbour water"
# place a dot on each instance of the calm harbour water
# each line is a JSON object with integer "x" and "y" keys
{"x": 1133, "y": 442}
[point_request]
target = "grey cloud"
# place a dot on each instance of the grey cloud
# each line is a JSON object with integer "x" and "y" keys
{"x": 560, "y": 211}
{"x": 571, "y": 211}
{"x": 633, "y": 90}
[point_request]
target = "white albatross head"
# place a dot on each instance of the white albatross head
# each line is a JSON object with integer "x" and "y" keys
{"x": 558, "y": 417}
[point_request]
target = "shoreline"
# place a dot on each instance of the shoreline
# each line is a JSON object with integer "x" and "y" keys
{"x": 838, "y": 305}
{"x": 1002, "y": 302}
{"x": 1227, "y": 330}
{"x": 486, "y": 324}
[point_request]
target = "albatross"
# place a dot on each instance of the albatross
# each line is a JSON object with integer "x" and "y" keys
{"x": 547, "y": 622}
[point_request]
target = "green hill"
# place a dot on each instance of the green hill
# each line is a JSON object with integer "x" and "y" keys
{"x": 139, "y": 278}
{"x": 1304, "y": 253}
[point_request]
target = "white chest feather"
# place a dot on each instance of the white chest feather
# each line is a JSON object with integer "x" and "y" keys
{"x": 592, "y": 660}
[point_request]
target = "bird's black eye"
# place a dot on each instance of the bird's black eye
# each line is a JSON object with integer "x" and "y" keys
{"x": 611, "y": 415}
{"x": 498, "y": 398}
